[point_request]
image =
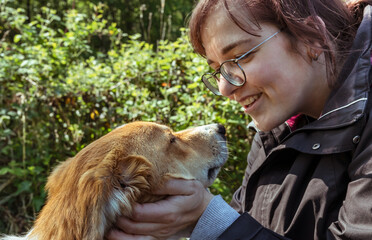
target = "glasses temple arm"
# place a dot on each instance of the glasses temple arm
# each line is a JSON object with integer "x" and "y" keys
{"x": 254, "y": 48}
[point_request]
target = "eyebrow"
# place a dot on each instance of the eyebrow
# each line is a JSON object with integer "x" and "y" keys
{"x": 233, "y": 45}
{"x": 229, "y": 47}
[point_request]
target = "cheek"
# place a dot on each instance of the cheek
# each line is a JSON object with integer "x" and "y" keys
{"x": 264, "y": 77}
{"x": 177, "y": 152}
{"x": 281, "y": 76}
{"x": 277, "y": 63}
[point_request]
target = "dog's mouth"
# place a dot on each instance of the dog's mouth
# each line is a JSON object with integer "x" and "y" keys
{"x": 212, "y": 173}
{"x": 214, "y": 169}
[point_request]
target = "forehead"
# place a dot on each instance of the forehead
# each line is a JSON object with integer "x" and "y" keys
{"x": 160, "y": 130}
{"x": 141, "y": 128}
{"x": 220, "y": 34}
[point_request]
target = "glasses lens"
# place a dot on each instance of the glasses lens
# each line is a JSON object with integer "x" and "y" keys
{"x": 232, "y": 72}
{"x": 211, "y": 82}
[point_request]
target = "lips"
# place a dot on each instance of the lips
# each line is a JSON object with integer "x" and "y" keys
{"x": 249, "y": 101}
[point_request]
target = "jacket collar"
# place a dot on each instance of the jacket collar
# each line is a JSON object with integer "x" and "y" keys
{"x": 347, "y": 102}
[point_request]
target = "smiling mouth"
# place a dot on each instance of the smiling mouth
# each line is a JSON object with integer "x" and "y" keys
{"x": 250, "y": 101}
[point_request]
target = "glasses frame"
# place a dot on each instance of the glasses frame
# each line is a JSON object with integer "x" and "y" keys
{"x": 236, "y": 61}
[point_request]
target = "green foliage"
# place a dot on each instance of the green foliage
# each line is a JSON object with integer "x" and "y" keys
{"x": 60, "y": 91}
{"x": 154, "y": 19}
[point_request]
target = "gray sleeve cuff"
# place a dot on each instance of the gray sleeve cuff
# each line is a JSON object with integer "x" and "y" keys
{"x": 215, "y": 220}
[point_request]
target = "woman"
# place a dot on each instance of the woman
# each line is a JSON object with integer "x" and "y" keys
{"x": 302, "y": 71}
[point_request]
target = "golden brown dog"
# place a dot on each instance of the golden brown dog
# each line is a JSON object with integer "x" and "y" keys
{"x": 87, "y": 192}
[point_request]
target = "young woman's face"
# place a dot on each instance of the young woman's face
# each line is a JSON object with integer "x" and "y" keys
{"x": 280, "y": 82}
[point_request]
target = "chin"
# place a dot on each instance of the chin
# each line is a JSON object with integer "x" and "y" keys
{"x": 265, "y": 126}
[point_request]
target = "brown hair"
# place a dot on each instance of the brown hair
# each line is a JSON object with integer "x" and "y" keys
{"x": 300, "y": 21}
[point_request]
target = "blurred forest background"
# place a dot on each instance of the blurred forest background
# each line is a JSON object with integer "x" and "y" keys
{"x": 73, "y": 70}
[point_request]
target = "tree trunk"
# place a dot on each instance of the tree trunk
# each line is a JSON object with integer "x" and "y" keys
{"x": 28, "y": 10}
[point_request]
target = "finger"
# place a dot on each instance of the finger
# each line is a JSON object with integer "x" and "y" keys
{"x": 176, "y": 186}
{"x": 168, "y": 210}
{"x": 116, "y": 234}
{"x": 133, "y": 227}
{"x": 156, "y": 229}
{"x": 164, "y": 211}
{"x": 160, "y": 211}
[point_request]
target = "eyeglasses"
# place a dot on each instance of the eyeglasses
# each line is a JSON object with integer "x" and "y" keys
{"x": 230, "y": 70}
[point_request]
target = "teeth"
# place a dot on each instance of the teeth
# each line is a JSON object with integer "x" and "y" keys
{"x": 250, "y": 100}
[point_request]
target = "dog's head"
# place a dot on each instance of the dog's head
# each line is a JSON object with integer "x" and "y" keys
{"x": 196, "y": 153}
{"x": 105, "y": 178}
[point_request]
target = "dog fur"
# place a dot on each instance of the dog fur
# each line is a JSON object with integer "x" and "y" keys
{"x": 88, "y": 192}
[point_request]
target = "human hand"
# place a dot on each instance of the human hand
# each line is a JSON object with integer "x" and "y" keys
{"x": 186, "y": 202}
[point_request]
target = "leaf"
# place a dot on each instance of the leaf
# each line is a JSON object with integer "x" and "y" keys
{"x": 23, "y": 187}
{"x": 8, "y": 132}
{"x": 173, "y": 89}
{"x": 192, "y": 85}
{"x": 29, "y": 63}
{"x": 17, "y": 38}
{"x": 4, "y": 171}
{"x": 38, "y": 202}
{"x": 19, "y": 172}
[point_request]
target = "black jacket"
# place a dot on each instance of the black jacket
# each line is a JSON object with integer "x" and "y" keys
{"x": 315, "y": 182}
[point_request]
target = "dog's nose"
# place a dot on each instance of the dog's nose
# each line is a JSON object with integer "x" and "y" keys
{"x": 221, "y": 130}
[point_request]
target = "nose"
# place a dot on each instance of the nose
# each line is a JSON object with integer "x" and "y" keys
{"x": 221, "y": 130}
{"x": 226, "y": 88}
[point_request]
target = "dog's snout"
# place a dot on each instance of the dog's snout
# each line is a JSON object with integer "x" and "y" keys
{"x": 221, "y": 130}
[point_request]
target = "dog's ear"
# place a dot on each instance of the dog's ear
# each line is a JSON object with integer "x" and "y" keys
{"x": 119, "y": 180}
{"x": 132, "y": 178}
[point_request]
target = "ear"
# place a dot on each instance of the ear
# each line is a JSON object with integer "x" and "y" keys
{"x": 315, "y": 50}
{"x": 313, "y": 54}
{"x": 133, "y": 175}
{"x": 115, "y": 183}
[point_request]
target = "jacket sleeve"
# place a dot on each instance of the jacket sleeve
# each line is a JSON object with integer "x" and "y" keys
{"x": 247, "y": 228}
{"x": 355, "y": 215}
{"x": 219, "y": 218}
{"x": 216, "y": 218}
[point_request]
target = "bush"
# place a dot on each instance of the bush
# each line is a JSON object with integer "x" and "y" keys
{"x": 60, "y": 91}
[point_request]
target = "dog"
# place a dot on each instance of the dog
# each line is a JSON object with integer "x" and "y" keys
{"x": 88, "y": 192}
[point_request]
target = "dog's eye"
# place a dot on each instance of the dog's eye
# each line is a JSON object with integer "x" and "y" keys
{"x": 173, "y": 139}
{"x": 123, "y": 185}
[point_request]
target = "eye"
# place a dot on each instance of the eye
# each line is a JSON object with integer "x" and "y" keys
{"x": 173, "y": 139}
{"x": 246, "y": 56}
